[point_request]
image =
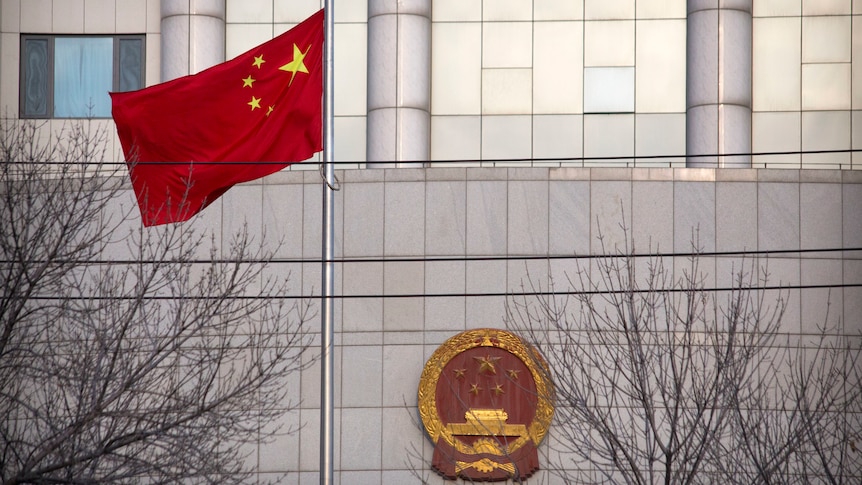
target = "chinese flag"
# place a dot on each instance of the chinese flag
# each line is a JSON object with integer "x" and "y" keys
{"x": 189, "y": 140}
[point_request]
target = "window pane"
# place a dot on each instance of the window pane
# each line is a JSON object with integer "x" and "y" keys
{"x": 35, "y": 83}
{"x": 83, "y": 76}
{"x": 131, "y": 64}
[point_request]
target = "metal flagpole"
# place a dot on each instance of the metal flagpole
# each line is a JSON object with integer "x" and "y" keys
{"x": 326, "y": 307}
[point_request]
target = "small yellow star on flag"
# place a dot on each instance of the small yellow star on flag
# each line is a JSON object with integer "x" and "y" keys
{"x": 254, "y": 103}
{"x": 258, "y": 60}
{"x": 247, "y": 82}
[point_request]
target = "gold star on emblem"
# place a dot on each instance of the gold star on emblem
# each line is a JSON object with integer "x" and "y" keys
{"x": 254, "y": 103}
{"x": 258, "y": 60}
{"x": 513, "y": 374}
{"x": 297, "y": 64}
{"x": 247, "y": 82}
{"x": 487, "y": 363}
{"x": 498, "y": 389}
{"x": 474, "y": 389}
{"x": 459, "y": 373}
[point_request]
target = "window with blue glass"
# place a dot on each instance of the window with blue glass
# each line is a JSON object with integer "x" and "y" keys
{"x": 70, "y": 76}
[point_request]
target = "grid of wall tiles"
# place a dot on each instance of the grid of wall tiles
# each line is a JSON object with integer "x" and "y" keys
{"x": 382, "y": 342}
{"x": 554, "y": 79}
{"x": 807, "y": 89}
{"x": 520, "y": 79}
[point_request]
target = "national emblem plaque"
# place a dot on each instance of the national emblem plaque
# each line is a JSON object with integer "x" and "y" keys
{"x": 485, "y": 398}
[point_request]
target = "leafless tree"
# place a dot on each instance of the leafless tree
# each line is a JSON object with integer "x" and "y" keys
{"x": 129, "y": 354}
{"x": 660, "y": 378}
{"x": 802, "y": 422}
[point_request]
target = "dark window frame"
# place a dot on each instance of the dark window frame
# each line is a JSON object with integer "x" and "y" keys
{"x": 51, "y": 40}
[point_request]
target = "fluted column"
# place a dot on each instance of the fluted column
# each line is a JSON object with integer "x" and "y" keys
{"x": 718, "y": 82}
{"x": 399, "y": 87}
{"x": 193, "y": 36}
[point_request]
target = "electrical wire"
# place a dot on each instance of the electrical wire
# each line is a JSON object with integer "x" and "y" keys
{"x": 512, "y": 160}
{"x": 437, "y": 259}
{"x": 494, "y": 294}
{"x": 432, "y": 259}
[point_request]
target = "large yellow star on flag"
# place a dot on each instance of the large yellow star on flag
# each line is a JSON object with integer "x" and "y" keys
{"x": 297, "y": 64}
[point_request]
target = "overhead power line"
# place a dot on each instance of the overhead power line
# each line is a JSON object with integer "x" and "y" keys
{"x": 620, "y": 157}
{"x": 582, "y": 160}
{"x": 435, "y": 259}
{"x": 497, "y": 294}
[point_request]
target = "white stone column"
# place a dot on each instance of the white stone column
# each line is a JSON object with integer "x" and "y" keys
{"x": 193, "y": 36}
{"x": 718, "y": 82}
{"x": 399, "y": 86}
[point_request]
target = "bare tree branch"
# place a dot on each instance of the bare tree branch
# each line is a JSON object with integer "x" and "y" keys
{"x": 159, "y": 370}
{"x": 660, "y": 380}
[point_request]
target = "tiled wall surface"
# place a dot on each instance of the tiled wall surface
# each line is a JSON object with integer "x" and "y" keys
{"x": 521, "y": 79}
{"x": 542, "y": 78}
{"x": 807, "y": 84}
{"x": 560, "y": 79}
{"x": 382, "y": 343}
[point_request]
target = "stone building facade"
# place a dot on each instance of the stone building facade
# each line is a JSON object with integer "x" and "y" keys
{"x": 507, "y": 128}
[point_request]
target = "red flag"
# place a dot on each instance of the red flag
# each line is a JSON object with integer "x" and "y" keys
{"x": 189, "y": 140}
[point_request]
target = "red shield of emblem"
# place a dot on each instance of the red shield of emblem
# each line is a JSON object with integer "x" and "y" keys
{"x": 485, "y": 398}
